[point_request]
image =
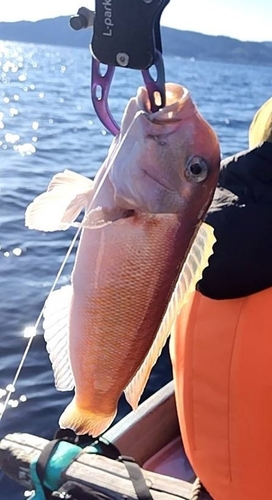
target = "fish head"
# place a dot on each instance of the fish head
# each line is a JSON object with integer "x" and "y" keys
{"x": 183, "y": 150}
{"x": 172, "y": 156}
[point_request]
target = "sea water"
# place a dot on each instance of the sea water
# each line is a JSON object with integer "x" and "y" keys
{"x": 47, "y": 124}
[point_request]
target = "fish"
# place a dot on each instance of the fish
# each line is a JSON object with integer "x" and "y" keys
{"x": 142, "y": 249}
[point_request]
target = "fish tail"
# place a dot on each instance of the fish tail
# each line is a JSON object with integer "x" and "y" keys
{"x": 83, "y": 421}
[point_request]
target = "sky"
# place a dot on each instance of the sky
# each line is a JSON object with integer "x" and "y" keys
{"x": 242, "y": 19}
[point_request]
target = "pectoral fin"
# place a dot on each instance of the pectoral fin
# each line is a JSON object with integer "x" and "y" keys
{"x": 101, "y": 217}
{"x": 56, "y": 209}
{"x": 191, "y": 273}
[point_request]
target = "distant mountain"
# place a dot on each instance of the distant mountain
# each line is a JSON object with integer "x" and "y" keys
{"x": 47, "y": 31}
{"x": 175, "y": 42}
{"x": 217, "y": 48}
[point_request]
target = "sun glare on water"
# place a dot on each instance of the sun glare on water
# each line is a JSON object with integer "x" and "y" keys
{"x": 29, "y": 332}
{"x": 12, "y": 403}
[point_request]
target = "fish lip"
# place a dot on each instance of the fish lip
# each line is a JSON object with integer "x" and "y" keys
{"x": 176, "y": 97}
{"x": 159, "y": 182}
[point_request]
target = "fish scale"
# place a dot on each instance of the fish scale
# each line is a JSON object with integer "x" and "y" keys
{"x": 114, "y": 314}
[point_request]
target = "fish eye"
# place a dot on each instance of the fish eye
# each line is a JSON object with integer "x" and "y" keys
{"x": 196, "y": 169}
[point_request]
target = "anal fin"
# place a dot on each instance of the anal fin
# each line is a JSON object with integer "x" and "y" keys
{"x": 56, "y": 314}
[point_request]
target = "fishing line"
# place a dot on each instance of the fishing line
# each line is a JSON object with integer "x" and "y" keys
{"x": 11, "y": 387}
{"x": 113, "y": 155}
{"x": 17, "y": 374}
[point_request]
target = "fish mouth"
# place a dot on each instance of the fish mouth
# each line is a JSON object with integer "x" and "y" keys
{"x": 176, "y": 98}
{"x": 129, "y": 213}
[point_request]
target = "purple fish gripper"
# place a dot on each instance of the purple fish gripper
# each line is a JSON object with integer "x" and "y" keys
{"x": 155, "y": 86}
{"x": 101, "y": 84}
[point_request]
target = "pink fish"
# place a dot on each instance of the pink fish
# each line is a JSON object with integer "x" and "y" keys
{"x": 142, "y": 250}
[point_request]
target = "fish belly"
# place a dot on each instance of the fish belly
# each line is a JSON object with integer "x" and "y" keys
{"x": 122, "y": 282}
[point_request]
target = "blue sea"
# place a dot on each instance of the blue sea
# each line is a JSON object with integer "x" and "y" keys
{"x": 47, "y": 124}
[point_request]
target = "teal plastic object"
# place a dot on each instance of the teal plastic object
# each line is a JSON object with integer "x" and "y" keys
{"x": 63, "y": 456}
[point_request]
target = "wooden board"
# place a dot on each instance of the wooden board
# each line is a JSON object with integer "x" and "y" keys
{"x": 104, "y": 475}
{"x": 140, "y": 434}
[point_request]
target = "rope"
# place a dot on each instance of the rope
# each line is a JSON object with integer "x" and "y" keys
{"x": 197, "y": 489}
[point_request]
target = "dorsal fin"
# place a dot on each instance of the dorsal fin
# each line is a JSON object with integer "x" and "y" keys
{"x": 191, "y": 273}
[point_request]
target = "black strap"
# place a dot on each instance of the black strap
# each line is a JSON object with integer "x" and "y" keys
{"x": 103, "y": 446}
{"x": 106, "y": 448}
{"x": 137, "y": 478}
{"x": 44, "y": 458}
{"x": 42, "y": 462}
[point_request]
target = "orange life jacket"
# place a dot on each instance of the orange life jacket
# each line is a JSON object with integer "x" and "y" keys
{"x": 222, "y": 364}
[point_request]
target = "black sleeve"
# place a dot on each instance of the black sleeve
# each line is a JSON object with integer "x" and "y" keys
{"x": 242, "y": 259}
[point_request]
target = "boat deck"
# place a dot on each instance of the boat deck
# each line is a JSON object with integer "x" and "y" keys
{"x": 150, "y": 435}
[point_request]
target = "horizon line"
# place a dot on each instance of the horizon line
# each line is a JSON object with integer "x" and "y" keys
{"x": 162, "y": 24}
